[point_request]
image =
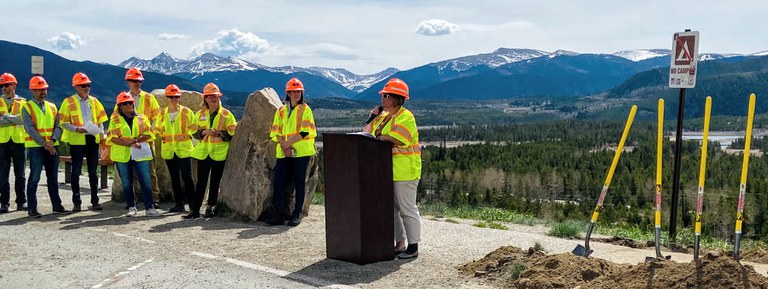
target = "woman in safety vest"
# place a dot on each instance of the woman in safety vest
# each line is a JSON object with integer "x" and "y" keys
{"x": 128, "y": 135}
{"x": 214, "y": 126}
{"x": 293, "y": 129}
{"x": 174, "y": 128}
{"x": 397, "y": 125}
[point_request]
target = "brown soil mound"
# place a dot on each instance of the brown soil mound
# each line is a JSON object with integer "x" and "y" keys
{"x": 513, "y": 267}
{"x": 757, "y": 256}
{"x": 625, "y": 242}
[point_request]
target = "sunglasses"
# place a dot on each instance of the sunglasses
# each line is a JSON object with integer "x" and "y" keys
{"x": 134, "y": 81}
{"x": 6, "y": 85}
{"x": 85, "y": 85}
{"x": 126, "y": 103}
{"x": 173, "y": 97}
{"x": 385, "y": 96}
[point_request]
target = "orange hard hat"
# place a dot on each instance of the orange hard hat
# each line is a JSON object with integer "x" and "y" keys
{"x": 80, "y": 79}
{"x": 211, "y": 89}
{"x": 8, "y": 78}
{"x": 124, "y": 97}
{"x": 396, "y": 86}
{"x": 134, "y": 74}
{"x": 294, "y": 85}
{"x": 172, "y": 90}
{"x": 38, "y": 82}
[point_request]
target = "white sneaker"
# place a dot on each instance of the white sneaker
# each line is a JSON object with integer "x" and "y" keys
{"x": 131, "y": 212}
{"x": 152, "y": 212}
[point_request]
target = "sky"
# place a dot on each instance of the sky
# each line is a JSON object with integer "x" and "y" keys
{"x": 366, "y": 37}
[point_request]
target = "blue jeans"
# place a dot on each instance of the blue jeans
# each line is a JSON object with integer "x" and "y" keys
{"x": 285, "y": 169}
{"x": 15, "y": 153}
{"x": 126, "y": 177}
{"x": 39, "y": 158}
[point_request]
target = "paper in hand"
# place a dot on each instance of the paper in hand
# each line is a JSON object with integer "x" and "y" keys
{"x": 92, "y": 129}
{"x": 142, "y": 152}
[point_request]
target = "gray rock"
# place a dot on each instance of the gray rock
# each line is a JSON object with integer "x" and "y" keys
{"x": 246, "y": 187}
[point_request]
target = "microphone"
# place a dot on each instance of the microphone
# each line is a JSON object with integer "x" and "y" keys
{"x": 370, "y": 119}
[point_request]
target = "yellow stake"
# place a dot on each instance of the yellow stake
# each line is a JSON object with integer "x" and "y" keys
{"x": 745, "y": 163}
{"x": 659, "y": 143}
{"x": 703, "y": 166}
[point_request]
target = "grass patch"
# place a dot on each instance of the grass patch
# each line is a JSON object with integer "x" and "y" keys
{"x": 538, "y": 247}
{"x": 491, "y": 225}
{"x": 318, "y": 198}
{"x": 454, "y": 221}
{"x": 567, "y": 229}
{"x": 479, "y": 213}
{"x": 516, "y": 269}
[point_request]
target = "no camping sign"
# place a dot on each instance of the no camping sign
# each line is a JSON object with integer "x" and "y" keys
{"x": 685, "y": 52}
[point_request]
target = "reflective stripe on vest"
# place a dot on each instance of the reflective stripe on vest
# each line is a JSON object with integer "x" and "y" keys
{"x": 212, "y": 145}
{"x": 175, "y": 135}
{"x": 13, "y": 132}
{"x": 118, "y": 128}
{"x": 75, "y": 117}
{"x": 43, "y": 122}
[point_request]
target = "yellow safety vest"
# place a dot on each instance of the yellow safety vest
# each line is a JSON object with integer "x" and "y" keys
{"x": 285, "y": 125}
{"x": 212, "y": 145}
{"x": 70, "y": 113}
{"x": 118, "y": 128}
{"x": 406, "y": 159}
{"x": 176, "y": 135}
{"x": 43, "y": 122}
{"x": 146, "y": 104}
{"x": 14, "y": 132}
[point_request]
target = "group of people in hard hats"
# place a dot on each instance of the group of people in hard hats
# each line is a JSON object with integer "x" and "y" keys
{"x": 34, "y": 128}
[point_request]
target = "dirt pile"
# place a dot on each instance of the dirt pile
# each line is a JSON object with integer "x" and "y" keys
{"x": 513, "y": 267}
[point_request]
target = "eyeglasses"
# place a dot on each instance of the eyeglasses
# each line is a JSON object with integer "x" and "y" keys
{"x": 134, "y": 81}
{"x": 385, "y": 96}
{"x": 85, "y": 85}
{"x": 173, "y": 97}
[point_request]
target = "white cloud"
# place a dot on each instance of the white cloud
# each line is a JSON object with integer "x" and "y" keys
{"x": 233, "y": 43}
{"x": 436, "y": 27}
{"x": 171, "y": 36}
{"x": 66, "y": 41}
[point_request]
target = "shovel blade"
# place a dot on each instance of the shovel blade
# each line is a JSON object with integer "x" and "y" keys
{"x": 581, "y": 251}
{"x": 650, "y": 259}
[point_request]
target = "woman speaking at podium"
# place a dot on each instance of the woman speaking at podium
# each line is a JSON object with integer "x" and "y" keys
{"x": 397, "y": 125}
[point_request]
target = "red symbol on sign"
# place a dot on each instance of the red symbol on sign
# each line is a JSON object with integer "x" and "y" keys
{"x": 683, "y": 49}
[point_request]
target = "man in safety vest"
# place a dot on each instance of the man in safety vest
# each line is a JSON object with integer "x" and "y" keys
{"x": 146, "y": 104}
{"x": 11, "y": 144}
{"x": 77, "y": 112}
{"x": 43, "y": 133}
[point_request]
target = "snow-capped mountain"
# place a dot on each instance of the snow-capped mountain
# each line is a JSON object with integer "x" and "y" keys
{"x": 643, "y": 54}
{"x": 491, "y": 60}
{"x": 166, "y": 64}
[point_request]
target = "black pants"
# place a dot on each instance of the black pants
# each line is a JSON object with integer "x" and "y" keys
{"x": 204, "y": 168}
{"x": 91, "y": 153}
{"x": 284, "y": 168}
{"x": 12, "y": 152}
{"x": 181, "y": 170}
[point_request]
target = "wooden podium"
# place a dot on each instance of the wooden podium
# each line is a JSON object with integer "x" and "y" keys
{"x": 359, "y": 204}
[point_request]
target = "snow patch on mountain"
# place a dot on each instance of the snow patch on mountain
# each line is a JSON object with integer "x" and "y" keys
{"x": 642, "y": 54}
{"x": 495, "y": 59}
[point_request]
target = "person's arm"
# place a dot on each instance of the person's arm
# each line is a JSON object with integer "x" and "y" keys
{"x": 56, "y": 130}
{"x": 5, "y": 120}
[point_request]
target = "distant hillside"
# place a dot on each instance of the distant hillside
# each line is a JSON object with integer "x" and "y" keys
{"x": 108, "y": 80}
{"x": 253, "y": 80}
{"x": 729, "y": 82}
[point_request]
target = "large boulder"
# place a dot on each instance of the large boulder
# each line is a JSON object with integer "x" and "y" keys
{"x": 190, "y": 99}
{"x": 246, "y": 187}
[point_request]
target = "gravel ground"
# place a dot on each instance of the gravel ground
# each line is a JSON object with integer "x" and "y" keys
{"x": 106, "y": 250}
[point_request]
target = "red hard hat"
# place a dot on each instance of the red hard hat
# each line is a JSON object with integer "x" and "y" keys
{"x": 124, "y": 97}
{"x": 38, "y": 82}
{"x": 134, "y": 74}
{"x": 211, "y": 89}
{"x": 80, "y": 79}
{"x": 8, "y": 78}
{"x": 172, "y": 90}
{"x": 396, "y": 86}
{"x": 294, "y": 85}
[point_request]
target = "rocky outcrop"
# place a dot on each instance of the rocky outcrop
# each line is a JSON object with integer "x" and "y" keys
{"x": 246, "y": 187}
{"x": 194, "y": 101}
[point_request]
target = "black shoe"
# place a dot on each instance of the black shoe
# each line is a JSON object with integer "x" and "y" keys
{"x": 21, "y": 207}
{"x": 76, "y": 209}
{"x": 156, "y": 205}
{"x": 3, "y": 209}
{"x": 407, "y": 255}
{"x": 295, "y": 221}
{"x": 60, "y": 210}
{"x": 209, "y": 212}
{"x": 35, "y": 214}
{"x": 95, "y": 207}
{"x": 274, "y": 221}
{"x": 191, "y": 215}
{"x": 177, "y": 209}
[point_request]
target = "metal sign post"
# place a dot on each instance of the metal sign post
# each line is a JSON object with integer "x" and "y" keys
{"x": 682, "y": 74}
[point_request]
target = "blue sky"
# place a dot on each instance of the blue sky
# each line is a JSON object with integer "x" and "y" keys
{"x": 369, "y": 36}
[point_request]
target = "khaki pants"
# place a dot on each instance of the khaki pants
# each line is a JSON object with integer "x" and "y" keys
{"x": 407, "y": 218}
